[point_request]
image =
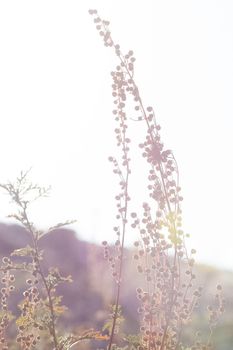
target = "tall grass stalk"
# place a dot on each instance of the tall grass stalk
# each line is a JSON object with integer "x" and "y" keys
{"x": 169, "y": 296}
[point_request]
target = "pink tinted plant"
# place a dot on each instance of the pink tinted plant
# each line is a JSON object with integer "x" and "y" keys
{"x": 169, "y": 295}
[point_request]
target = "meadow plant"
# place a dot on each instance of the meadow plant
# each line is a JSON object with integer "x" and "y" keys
{"x": 169, "y": 295}
{"x": 40, "y": 307}
{"x": 36, "y": 326}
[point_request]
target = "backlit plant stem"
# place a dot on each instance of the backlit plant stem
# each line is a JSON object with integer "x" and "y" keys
{"x": 121, "y": 265}
{"x": 169, "y": 298}
{"x": 123, "y": 141}
{"x": 40, "y": 271}
{"x": 17, "y": 197}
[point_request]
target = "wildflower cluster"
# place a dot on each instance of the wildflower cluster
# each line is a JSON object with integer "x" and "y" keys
{"x": 169, "y": 295}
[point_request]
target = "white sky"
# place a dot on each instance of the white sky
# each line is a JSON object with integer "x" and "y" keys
{"x": 55, "y": 107}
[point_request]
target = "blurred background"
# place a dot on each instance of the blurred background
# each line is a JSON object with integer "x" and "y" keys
{"x": 89, "y": 297}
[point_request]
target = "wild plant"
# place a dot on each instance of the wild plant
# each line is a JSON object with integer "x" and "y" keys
{"x": 36, "y": 325}
{"x": 40, "y": 307}
{"x": 169, "y": 295}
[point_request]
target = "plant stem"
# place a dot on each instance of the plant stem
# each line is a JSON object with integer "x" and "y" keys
{"x": 48, "y": 291}
{"x": 121, "y": 256}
